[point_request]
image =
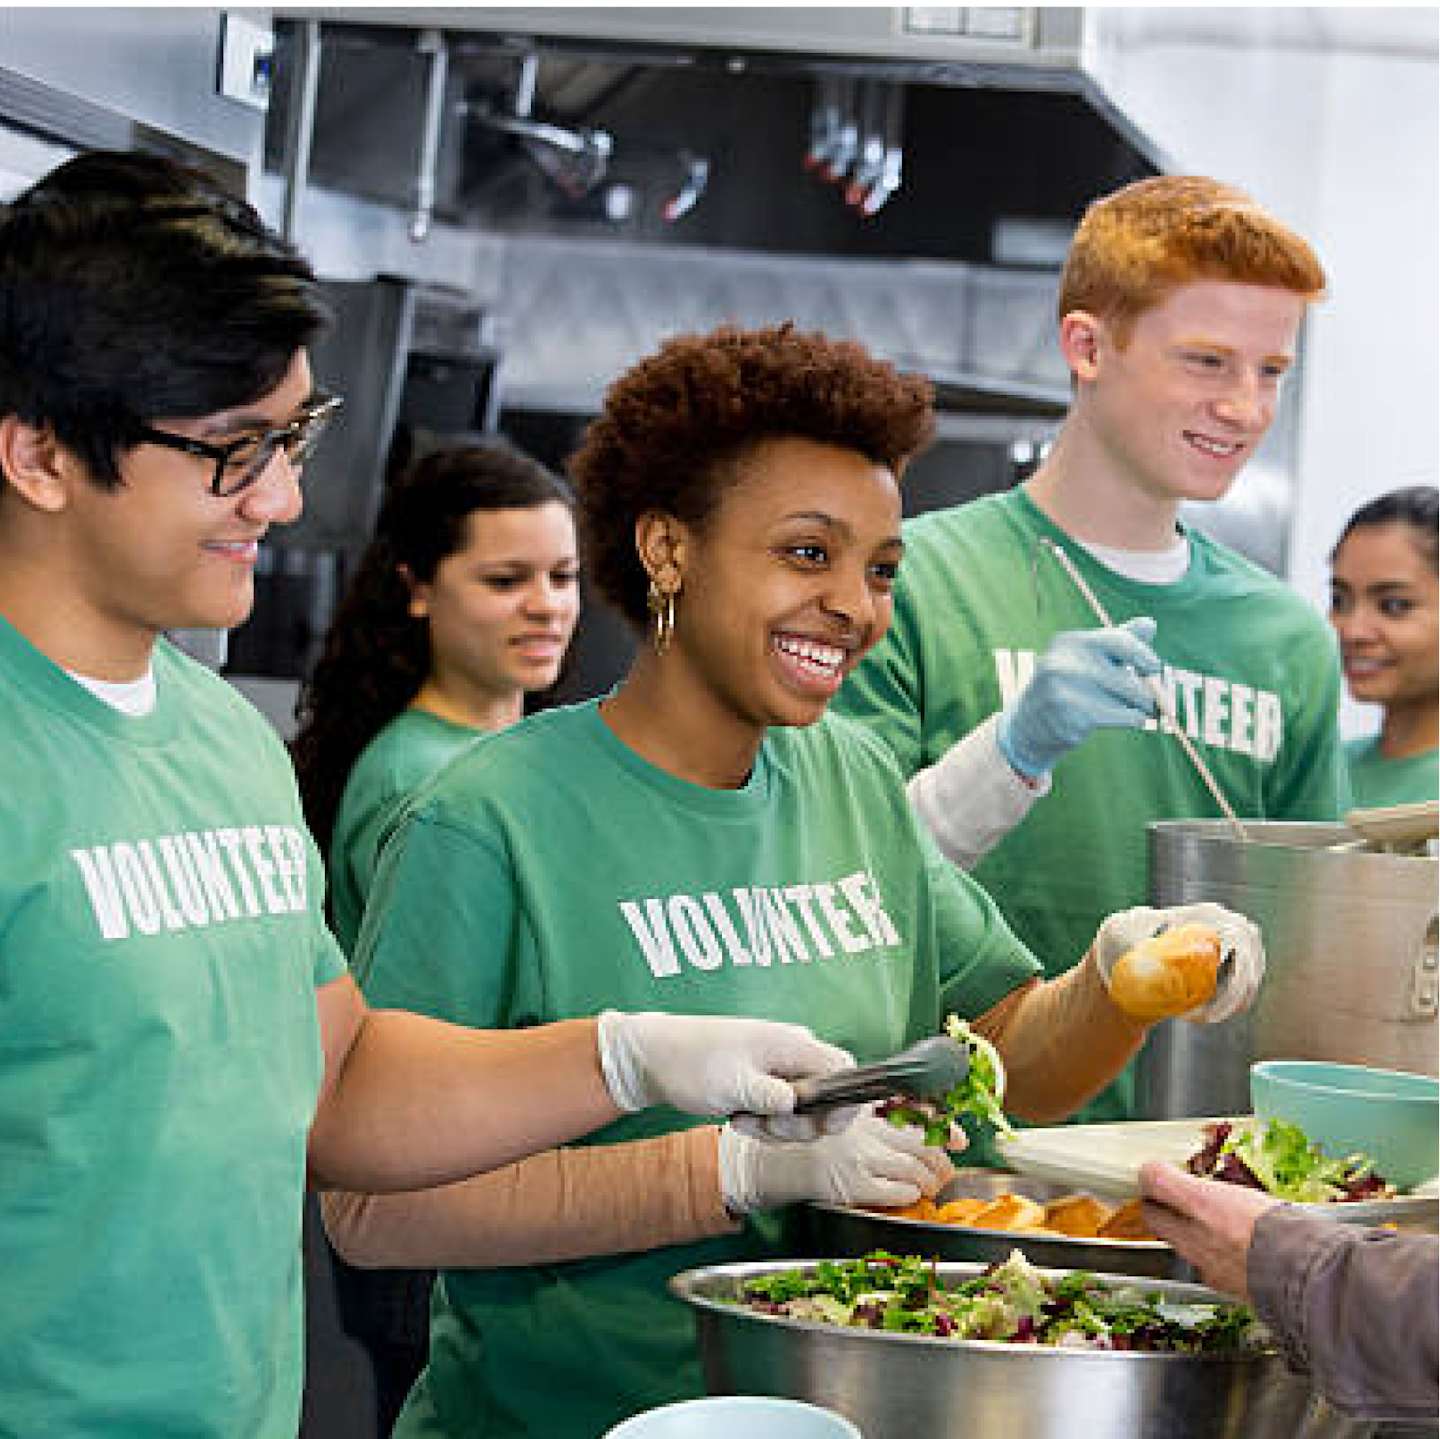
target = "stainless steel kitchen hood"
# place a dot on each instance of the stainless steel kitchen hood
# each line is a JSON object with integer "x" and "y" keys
{"x": 699, "y": 126}
{"x": 1012, "y": 45}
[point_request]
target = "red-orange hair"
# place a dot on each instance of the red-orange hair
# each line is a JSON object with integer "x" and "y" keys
{"x": 1135, "y": 246}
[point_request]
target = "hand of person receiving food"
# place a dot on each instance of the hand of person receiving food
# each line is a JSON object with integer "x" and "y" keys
{"x": 1085, "y": 680}
{"x": 1209, "y": 1223}
{"x": 714, "y": 1064}
{"x": 1202, "y": 961}
{"x": 871, "y": 1162}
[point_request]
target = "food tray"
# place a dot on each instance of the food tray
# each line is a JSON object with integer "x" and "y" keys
{"x": 1105, "y": 1159}
{"x": 853, "y": 1233}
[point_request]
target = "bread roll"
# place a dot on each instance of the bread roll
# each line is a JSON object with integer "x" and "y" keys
{"x": 1168, "y": 974}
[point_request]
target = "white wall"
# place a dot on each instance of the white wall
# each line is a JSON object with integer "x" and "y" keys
{"x": 1332, "y": 119}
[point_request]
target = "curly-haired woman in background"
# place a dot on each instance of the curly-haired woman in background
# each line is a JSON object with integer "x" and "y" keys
{"x": 464, "y": 602}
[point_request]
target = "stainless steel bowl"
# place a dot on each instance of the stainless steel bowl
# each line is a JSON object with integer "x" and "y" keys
{"x": 907, "y": 1386}
{"x": 837, "y": 1229}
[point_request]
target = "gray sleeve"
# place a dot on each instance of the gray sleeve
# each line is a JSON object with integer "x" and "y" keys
{"x": 1354, "y": 1307}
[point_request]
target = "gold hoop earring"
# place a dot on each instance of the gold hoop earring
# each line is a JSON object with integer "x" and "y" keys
{"x": 661, "y": 604}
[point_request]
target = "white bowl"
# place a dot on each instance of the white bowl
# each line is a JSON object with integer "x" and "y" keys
{"x": 728, "y": 1416}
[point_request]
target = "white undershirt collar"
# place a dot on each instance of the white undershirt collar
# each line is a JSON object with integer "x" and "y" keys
{"x": 1151, "y": 567}
{"x": 132, "y": 697}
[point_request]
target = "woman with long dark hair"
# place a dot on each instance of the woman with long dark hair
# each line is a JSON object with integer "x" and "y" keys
{"x": 464, "y": 603}
{"x": 1383, "y": 604}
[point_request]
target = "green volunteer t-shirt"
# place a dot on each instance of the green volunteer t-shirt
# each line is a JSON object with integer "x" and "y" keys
{"x": 1250, "y": 667}
{"x": 161, "y": 943}
{"x": 1376, "y": 781}
{"x": 412, "y": 748}
{"x": 550, "y": 873}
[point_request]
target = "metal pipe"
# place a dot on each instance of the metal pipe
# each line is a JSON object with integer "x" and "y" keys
{"x": 572, "y": 142}
{"x": 432, "y": 43}
{"x": 300, "y": 130}
{"x": 525, "y": 85}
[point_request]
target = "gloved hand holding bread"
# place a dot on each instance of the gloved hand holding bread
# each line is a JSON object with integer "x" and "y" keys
{"x": 1202, "y": 961}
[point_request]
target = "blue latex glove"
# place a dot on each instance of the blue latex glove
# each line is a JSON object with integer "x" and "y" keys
{"x": 1085, "y": 680}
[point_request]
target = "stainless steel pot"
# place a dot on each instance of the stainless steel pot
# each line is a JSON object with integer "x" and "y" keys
{"x": 838, "y": 1229}
{"x": 1351, "y": 946}
{"x": 906, "y": 1386}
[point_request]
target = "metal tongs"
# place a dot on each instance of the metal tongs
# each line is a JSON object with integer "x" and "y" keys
{"x": 926, "y": 1070}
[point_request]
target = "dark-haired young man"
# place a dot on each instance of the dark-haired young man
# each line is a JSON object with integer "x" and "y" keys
{"x": 179, "y": 1038}
{"x": 1026, "y": 730}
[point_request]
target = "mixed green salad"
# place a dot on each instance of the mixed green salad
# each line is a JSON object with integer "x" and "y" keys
{"x": 978, "y": 1094}
{"x": 1011, "y": 1302}
{"x": 1279, "y": 1158}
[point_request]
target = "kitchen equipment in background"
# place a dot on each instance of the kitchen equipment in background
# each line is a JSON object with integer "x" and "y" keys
{"x": 406, "y": 356}
{"x": 417, "y": 364}
{"x": 296, "y": 591}
{"x": 855, "y": 139}
{"x": 899, "y": 1386}
{"x": 726, "y": 1416}
{"x": 1352, "y": 1109}
{"x": 573, "y": 158}
{"x": 1351, "y": 940}
{"x": 853, "y": 1233}
{"x": 511, "y": 117}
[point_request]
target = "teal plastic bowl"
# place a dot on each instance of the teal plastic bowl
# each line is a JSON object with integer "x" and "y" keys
{"x": 1392, "y": 1116}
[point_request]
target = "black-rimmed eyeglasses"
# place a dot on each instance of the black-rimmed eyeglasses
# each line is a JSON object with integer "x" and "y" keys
{"x": 240, "y": 463}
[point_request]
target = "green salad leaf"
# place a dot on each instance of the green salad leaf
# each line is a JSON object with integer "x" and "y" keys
{"x": 1011, "y": 1301}
{"x": 977, "y": 1095}
{"x": 1287, "y": 1164}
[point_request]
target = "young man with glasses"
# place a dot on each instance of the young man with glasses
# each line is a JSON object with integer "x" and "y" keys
{"x": 179, "y": 1039}
{"x": 239, "y": 463}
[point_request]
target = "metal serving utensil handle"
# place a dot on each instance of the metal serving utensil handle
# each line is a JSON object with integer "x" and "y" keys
{"x": 925, "y": 1070}
{"x": 848, "y": 1086}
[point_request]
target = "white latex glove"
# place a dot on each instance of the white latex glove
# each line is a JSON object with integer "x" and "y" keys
{"x": 1239, "y": 977}
{"x": 830, "y": 1120}
{"x": 871, "y": 1162}
{"x": 712, "y": 1064}
{"x": 1085, "y": 680}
